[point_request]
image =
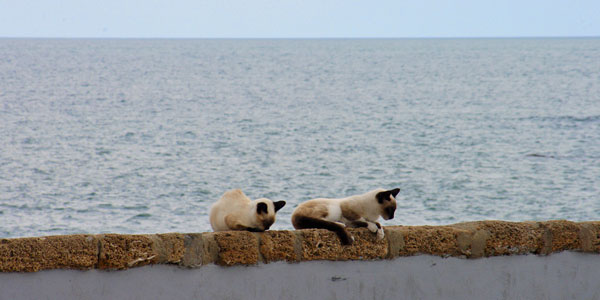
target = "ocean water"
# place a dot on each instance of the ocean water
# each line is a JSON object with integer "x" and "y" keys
{"x": 141, "y": 136}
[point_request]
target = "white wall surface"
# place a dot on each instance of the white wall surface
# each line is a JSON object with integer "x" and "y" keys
{"x": 566, "y": 275}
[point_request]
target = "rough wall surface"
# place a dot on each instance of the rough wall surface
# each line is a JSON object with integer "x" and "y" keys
{"x": 463, "y": 240}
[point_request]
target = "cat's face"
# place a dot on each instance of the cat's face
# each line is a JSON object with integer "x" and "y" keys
{"x": 387, "y": 203}
{"x": 265, "y": 212}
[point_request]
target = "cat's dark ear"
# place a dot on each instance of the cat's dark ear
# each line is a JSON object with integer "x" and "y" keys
{"x": 395, "y": 192}
{"x": 279, "y": 205}
{"x": 382, "y": 196}
{"x": 262, "y": 208}
{"x": 385, "y": 195}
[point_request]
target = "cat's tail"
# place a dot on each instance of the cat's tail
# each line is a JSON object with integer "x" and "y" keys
{"x": 304, "y": 222}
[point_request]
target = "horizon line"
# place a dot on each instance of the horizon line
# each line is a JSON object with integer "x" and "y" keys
{"x": 303, "y": 38}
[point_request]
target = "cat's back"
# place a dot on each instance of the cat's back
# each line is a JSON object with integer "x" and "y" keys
{"x": 233, "y": 196}
{"x": 231, "y": 201}
{"x": 325, "y": 208}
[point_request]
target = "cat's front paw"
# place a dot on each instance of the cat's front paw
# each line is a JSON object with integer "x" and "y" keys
{"x": 380, "y": 234}
{"x": 372, "y": 227}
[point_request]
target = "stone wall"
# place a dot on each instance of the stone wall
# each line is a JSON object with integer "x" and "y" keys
{"x": 191, "y": 250}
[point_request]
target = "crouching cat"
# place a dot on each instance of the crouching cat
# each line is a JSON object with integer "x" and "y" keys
{"x": 354, "y": 211}
{"x": 235, "y": 211}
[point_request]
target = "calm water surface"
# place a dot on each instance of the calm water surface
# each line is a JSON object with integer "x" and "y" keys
{"x": 141, "y": 136}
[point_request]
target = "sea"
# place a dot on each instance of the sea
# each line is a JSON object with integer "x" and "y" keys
{"x": 143, "y": 135}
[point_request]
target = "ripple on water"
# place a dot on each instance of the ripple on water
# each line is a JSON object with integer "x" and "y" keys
{"x": 135, "y": 207}
{"x": 142, "y": 216}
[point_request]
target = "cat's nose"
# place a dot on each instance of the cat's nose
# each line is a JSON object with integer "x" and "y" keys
{"x": 390, "y": 212}
{"x": 267, "y": 224}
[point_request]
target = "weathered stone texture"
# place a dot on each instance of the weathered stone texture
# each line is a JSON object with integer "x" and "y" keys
{"x": 505, "y": 238}
{"x": 210, "y": 253}
{"x": 52, "y": 252}
{"x": 277, "y": 246}
{"x": 469, "y": 240}
{"x": 435, "y": 240}
{"x": 395, "y": 237}
{"x": 126, "y": 251}
{"x": 320, "y": 244}
{"x": 564, "y": 235}
{"x": 170, "y": 247}
{"x": 236, "y": 248}
{"x": 193, "y": 250}
{"x": 590, "y": 236}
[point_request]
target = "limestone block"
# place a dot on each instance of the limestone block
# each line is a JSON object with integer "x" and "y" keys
{"x": 51, "y": 252}
{"x": 120, "y": 251}
{"x": 170, "y": 247}
{"x": 236, "y": 248}
{"x": 193, "y": 250}
{"x": 395, "y": 237}
{"x": 434, "y": 240}
{"x": 506, "y": 238}
{"x": 210, "y": 252}
{"x": 564, "y": 235}
{"x": 278, "y": 246}
{"x": 320, "y": 244}
{"x": 590, "y": 236}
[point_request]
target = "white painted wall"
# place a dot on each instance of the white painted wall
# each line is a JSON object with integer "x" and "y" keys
{"x": 566, "y": 275}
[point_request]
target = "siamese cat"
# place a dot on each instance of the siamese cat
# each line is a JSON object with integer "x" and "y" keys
{"x": 235, "y": 211}
{"x": 354, "y": 211}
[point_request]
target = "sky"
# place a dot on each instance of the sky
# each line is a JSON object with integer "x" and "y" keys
{"x": 299, "y": 18}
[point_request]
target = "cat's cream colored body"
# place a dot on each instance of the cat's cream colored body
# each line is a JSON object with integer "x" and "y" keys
{"x": 355, "y": 211}
{"x": 235, "y": 211}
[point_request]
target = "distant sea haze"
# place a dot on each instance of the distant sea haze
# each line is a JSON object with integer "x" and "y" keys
{"x": 141, "y": 136}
